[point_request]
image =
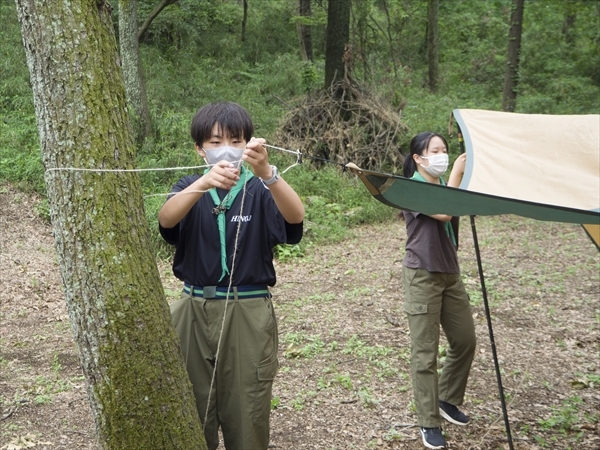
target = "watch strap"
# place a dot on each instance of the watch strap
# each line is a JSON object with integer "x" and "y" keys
{"x": 274, "y": 176}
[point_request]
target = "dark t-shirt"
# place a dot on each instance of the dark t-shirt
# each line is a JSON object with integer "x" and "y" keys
{"x": 428, "y": 246}
{"x": 198, "y": 253}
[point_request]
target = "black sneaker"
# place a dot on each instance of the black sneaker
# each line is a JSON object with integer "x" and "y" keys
{"x": 452, "y": 414}
{"x": 432, "y": 437}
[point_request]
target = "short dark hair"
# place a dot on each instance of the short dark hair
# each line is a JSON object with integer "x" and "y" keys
{"x": 233, "y": 120}
{"x": 417, "y": 146}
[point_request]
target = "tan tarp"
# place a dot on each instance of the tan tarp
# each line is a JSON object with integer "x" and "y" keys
{"x": 553, "y": 160}
{"x": 533, "y": 165}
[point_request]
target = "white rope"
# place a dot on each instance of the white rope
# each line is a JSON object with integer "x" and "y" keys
{"x": 159, "y": 169}
{"x": 235, "y": 249}
{"x": 293, "y": 165}
{"x": 150, "y": 169}
{"x": 165, "y": 194}
{"x": 295, "y": 152}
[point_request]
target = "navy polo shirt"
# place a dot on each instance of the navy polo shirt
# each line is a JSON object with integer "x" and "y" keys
{"x": 197, "y": 258}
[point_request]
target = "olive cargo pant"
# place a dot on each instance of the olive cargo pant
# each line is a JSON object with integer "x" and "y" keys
{"x": 240, "y": 401}
{"x": 431, "y": 299}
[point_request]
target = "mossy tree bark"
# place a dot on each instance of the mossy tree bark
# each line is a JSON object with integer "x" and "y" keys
{"x": 138, "y": 387}
{"x": 135, "y": 87}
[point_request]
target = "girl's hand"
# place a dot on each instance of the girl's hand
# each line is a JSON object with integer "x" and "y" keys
{"x": 256, "y": 155}
{"x": 458, "y": 170}
{"x": 222, "y": 175}
{"x": 460, "y": 164}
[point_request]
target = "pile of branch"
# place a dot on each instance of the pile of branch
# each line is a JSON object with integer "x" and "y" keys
{"x": 345, "y": 123}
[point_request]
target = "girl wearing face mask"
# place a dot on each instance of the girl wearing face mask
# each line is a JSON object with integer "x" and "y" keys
{"x": 434, "y": 295}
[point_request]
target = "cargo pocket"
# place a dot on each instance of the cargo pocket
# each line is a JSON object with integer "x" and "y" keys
{"x": 268, "y": 370}
{"x": 265, "y": 372}
{"x": 419, "y": 322}
{"x": 415, "y": 308}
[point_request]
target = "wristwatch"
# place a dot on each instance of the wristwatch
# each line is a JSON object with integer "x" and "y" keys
{"x": 274, "y": 177}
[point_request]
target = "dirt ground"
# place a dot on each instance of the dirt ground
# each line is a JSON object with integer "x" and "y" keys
{"x": 344, "y": 381}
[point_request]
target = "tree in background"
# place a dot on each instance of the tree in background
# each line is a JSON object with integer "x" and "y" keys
{"x": 337, "y": 37}
{"x": 138, "y": 387}
{"x": 569, "y": 24}
{"x": 433, "y": 7}
{"x": 304, "y": 30}
{"x": 135, "y": 88}
{"x": 511, "y": 78}
{"x": 244, "y": 19}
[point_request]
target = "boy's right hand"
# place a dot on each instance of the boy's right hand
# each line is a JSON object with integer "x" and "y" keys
{"x": 222, "y": 175}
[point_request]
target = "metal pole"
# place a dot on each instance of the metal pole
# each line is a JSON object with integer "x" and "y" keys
{"x": 491, "y": 333}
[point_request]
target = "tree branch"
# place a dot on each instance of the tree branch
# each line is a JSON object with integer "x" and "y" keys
{"x": 155, "y": 12}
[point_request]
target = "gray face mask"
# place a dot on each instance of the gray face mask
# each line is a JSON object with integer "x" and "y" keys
{"x": 224, "y": 153}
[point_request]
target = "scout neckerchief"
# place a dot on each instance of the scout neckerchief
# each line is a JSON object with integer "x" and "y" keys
{"x": 221, "y": 206}
{"x": 447, "y": 225}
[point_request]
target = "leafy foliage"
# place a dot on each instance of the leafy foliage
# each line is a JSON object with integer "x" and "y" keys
{"x": 20, "y": 160}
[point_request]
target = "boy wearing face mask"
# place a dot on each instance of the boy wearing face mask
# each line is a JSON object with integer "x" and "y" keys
{"x": 226, "y": 305}
{"x": 435, "y": 295}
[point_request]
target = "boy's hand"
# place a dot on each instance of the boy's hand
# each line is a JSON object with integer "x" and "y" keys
{"x": 222, "y": 175}
{"x": 256, "y": 155}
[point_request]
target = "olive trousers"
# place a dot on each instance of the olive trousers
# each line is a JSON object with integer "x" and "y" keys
{"x": 240, "y": 397}
{"x": 432, "y": 299}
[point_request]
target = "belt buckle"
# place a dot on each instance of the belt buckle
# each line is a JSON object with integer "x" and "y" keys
{"x": 209, "y": 292}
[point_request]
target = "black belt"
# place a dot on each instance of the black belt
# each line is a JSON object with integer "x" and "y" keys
{"x": 224, "y": 292}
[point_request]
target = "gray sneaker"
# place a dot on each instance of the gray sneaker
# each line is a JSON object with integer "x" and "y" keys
{"x": 432, "y": 437}
{"x": 452, "y": 414}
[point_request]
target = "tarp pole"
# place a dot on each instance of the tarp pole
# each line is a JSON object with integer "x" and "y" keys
{"x": 491, "y": 333}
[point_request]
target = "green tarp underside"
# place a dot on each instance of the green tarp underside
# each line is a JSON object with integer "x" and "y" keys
{"x": 427, "y": 198}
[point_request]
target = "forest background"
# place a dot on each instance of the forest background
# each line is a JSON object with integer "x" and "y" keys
{"x": 199, "y": 51}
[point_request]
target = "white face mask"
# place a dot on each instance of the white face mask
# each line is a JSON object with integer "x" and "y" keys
{"x": 227, "y": 153}
{"x": 438, "y": 164}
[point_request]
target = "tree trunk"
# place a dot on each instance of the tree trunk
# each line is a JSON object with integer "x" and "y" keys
{"x": 138, "y": 386}
{"x": 135, "y": 88}
{"x": 337, "y": 36}
{"x": 511, "y": 78}
{"x": 569, "y": 23}
{"x": 304, "y": 31}
{"x": 244, "y": 20}
{"x": 433, "y": 7}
